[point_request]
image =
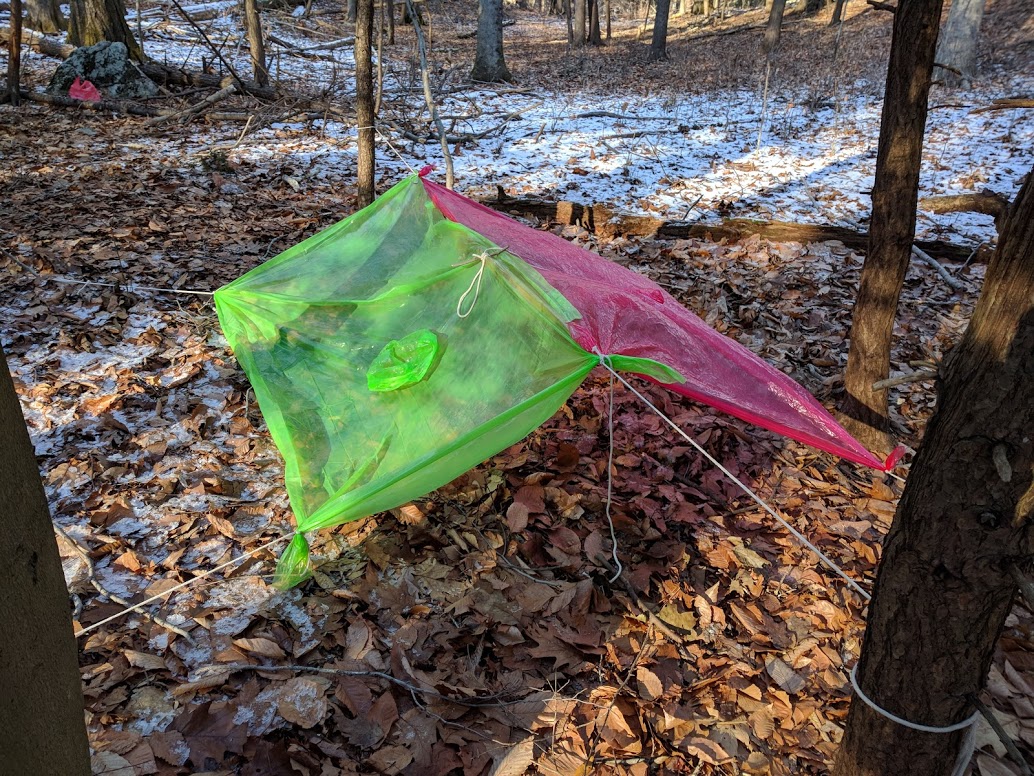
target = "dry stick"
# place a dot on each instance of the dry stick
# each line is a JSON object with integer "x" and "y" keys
{"x": 764, "y": 101}
{"x": 92, "y": 575}
{"x": 191, "y": 112}
{"x": 212, "y": 46}
{"x": 450, "y": 177}
{"x": 914, "y": 377}
{"x": 996, "y": 726}
{"x": 926, "y": 258}
{"x": 473, "y": 703}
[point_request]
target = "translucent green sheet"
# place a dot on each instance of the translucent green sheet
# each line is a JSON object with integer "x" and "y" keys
{"x": 394, "y": 351}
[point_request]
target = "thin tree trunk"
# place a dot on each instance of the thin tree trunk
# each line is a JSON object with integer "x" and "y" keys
{"x": 570, "y": 21}
{"x": 594, "y": 23}
{"x": 366, "y": 164}
{"x": 659, "y": 42}
{"x": 608, "y": 11}
{"x": 14, "y": 55}
{"x": 775, "y": 21}
{"x": 957, "y": 48}
{"x": 489, "y": 63}
{"x": 253, "y": 25}
{"x": 579, "y": 22}
{"x": 892, "y": 228}
{"x": 945, "y": 582}
{"x": 390, "y": 5}
{"x": 838, "y": 13}
{"x": 41, "y": 702}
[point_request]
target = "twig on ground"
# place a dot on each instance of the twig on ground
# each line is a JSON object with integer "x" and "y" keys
{"x": 1014, "y": 753}
{"x": 926, "y": 258}
{"x": 91, "y": 573}
{"x": 191, "y": 112}
{"x": 914, "y": 377}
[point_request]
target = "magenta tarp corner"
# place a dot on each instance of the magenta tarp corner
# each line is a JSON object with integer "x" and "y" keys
{"x": 624, "y": 313}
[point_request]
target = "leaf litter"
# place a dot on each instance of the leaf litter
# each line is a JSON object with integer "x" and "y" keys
{"x": 480, "y": 629}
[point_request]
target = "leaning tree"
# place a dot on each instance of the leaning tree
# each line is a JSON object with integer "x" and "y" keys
{"x": 963, "y": 535}
{"x": 893, "y": 222}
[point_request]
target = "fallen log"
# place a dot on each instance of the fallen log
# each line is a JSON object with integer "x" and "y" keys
{"x": 606, "y": 222}
{"x": 37, "y": 41}
{"x": 988, "y": 202}
{"x": 107, "y": 106}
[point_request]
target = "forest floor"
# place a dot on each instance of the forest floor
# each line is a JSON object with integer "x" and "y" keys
{"x": 478, "y": 630}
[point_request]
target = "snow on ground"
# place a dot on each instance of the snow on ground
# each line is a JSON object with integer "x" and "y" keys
{"x": 690, "y": 157}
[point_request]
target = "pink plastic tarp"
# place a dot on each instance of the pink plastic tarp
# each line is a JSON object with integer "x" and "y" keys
{"x": 624, "y": 313}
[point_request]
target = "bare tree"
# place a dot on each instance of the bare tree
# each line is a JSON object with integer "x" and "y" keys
{"x": 659, "y": 42}
{"x": 253, "y": 25}
{"x": 579, "y": 22}
{"x": 41, "y": 702}
{"x": 963, "y": 534}
{"x": 892, "y": 227}
{"x": 364, "y": 98}
{"x": 489, "y": 63}
{"x": 957, "y": 48}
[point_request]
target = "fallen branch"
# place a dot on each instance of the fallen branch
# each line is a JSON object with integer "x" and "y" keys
{"x": 946, "y": 276}
{"x": 878, "y": 6}
{"x": 167, "y": 75}
{"x": 473, "y": 702}
{"x": 190, "y": 113}
{"x": 914, "y": 377}
{"x": 1008, "y": 103}
{"x": 988, "y": 202}
{"x": 106, "y": 106}
{"x": 91, "y": 574}
{"x": 38, "y": 42}
{"x": 607, "y": 222}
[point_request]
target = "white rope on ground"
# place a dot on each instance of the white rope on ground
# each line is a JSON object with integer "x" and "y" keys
{"x": 181, "y": 585}
{"x": 968, "y": 743}
{"x": 760, "y": 502}
{"x": 131, "y": 287}
{"x": 610, "y": 483}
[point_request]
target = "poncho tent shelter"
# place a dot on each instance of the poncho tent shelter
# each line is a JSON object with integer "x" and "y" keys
{"x": 404, "y": 345}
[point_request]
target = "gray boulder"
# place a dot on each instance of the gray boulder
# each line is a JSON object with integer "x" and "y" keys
{"x": 108, "y": 67}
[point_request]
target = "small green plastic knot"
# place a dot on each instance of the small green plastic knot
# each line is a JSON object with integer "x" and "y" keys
{"x": 294, "y": 566}
{"x": 404, "y": 361}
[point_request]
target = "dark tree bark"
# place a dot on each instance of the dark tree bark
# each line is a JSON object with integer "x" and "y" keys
{"x": 595, "y": 39}
{"x": 608, "y": 14}
{"x": 957, "y": 48}
{"x": 579, "y": 22}
{"x": 45, "y": 16}
{"x": 489, "y": 64}
{"x": 41, "y": 702}
{"x": 893, "y": 223}
{"x": 964, "y": 524}
{"x": 14, "y": 55}
{"x": 364, "y": 97}
{"x": 838, "y": 13}
{"x": 389, "y": 12}
{"x": 659, "y": 42}
{"x": 253, "y": 25}
{"x": 95, "y": 20}
{"x": 814, "y": 6}
{"x": 775, "y": 21}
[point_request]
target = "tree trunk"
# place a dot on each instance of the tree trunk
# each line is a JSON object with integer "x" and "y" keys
{"x": 390, "y": 12}
{"x": 814, "y": 6}
{"x": 351, "y": 10}
{"x": 489, "y": 64}
{"x": 14, "y": 55}
{"x": 45, "y": 16}
{"x": 595, "y": 39}
{"x": 957, "y": 48}
{"x": 775, "y": 21}
{"x": 95, "y": 20}
{"x": 659, "y": 42}
{"x": 570, "y": 21}
{"x": 365, "y": 117}
{"x": 608, "y": 14}
{"x": 966, "y": 516}
{"x": 838, "y": 13}
{"x": 41, "y": 702}
{"x": 253, "y": 25}
{"x": 892, "y": 228}
{"x": 579, "y": 22}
